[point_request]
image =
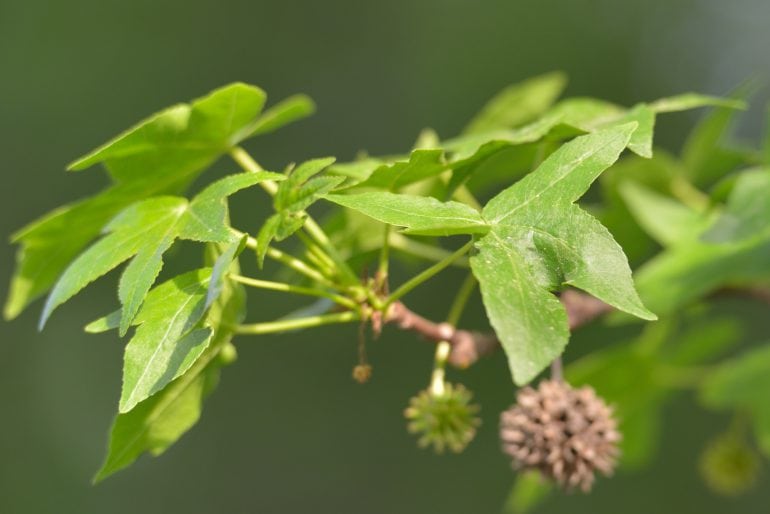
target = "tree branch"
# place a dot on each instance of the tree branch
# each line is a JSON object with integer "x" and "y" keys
{"x": 468, "y": 346}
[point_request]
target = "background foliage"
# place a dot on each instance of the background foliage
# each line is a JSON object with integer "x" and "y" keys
{"x": 289, "y": 431}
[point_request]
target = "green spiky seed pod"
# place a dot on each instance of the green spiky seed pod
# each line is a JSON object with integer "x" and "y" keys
{"x": 443, "y": 421}
{"x": 728, "y": 465}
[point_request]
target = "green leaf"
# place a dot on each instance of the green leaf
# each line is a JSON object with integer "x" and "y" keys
{"x": 704, "y": 156}
{"x": 166, "y": 342}
{"x": 689, "y": 271}
{"x": 562, "y": 178}
{"x": 518, "y": 103}
{"x": 422, "y": 164}
{"x": 539, "y": 242}
{"x": 146, "y": 230}
{"x": 529, "y": 490}
{"x": 742, "y": 383}
{"x": 181, "y": 139}
{"x": 298, "y": 192}
{"x": 50, "y": 243}
{"x": 420, "y": 215}
{"x": 748, "y": 209}
{"x": 157, "y": 422}
{"x": 668, "y": 221}
{"x": 110, "y": 321}
{"x": 529, "y": 321}
{"x": 222, "y": 263}
{"x": 687, "y": 101}
{"x": 284, "y": 112}
{"x": 136, "y": 227}
{"x": 206, "y": 219}
{"x": 161, "y": 155}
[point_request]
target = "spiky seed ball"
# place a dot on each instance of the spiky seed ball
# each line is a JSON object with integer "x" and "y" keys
{"x": 446, "y": 420}
{"x": 564, "y": 433}
{"x": 729, "y": 466}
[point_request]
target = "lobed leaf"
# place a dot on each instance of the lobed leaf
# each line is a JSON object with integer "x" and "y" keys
{"x": 157, "y": 422}
{"x": 540, "y": 241}
{"x": 161, "y": 155}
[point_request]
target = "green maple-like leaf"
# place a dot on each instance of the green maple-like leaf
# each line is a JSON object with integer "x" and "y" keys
{"x": 540, "y": 241}
{"x": 145, "y": 231}
{"x": 167, "y": 340}
{"x": 157, "y": 422}
{"x": 535, "y": 240}
{"x": 161, "y": 155}
{"x": 295, "y": 194}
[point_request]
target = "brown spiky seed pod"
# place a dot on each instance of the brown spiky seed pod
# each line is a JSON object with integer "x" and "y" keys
{"x": 567, "y": 434}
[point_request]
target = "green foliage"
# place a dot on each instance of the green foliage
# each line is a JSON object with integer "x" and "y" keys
{"x": 536, "y": 156}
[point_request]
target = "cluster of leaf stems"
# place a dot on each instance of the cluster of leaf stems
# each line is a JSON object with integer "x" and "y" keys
{"x": 361, "y": 300}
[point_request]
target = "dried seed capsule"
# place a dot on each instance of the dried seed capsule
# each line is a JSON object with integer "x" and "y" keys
{"x": 564, "y": 433}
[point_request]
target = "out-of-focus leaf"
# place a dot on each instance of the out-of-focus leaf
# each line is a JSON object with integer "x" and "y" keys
{"x": 518, "y": 103}
{"x": 529, "y": 490}
{"x": 687, "y": 101}
{"x": 684, "y": 273}
{"x": 704, "y": 155}
{"x": 668, "y": 221}
{"x": 747, "y": 214}
{"x": 742, "y": 383}
{"x": 284, "y": 112}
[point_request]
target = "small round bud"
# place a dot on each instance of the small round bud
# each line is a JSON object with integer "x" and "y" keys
{"x": 728, "y": 465}
{"x": 362, "y": 373}
{"x": 564, "y": 433}
{"x": 446, "y": 420}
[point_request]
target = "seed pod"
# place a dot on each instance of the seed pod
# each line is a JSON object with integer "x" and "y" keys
{"x": 729, "y": 466}
{"x": 446, "y": 420}
{"x": 564, "y": 433}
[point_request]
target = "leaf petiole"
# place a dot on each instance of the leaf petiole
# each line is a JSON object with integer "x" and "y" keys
{"x": 270, "y": 327}
{"x": 280, "y": 286}
{"x": 418, "y": 279}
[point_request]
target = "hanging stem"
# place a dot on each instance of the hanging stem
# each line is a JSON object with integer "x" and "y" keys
{"x": 437, "y": 381}
{"x": 289, "y": 288}
{"x": 427, "y": 274}
{"x": 382, "y": 270}
{"x": 298, "y": 323}
{"x": 557, "y": 370}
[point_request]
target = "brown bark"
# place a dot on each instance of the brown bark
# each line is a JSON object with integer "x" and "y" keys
{"x": 468, "y": 346}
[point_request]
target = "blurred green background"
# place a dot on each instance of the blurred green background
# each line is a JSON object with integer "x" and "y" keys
{"x": 288, "y": 431}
